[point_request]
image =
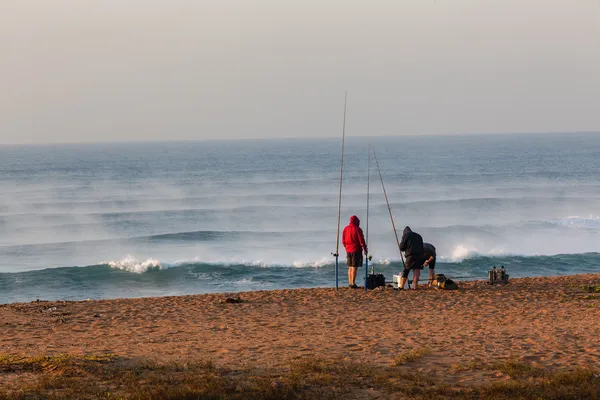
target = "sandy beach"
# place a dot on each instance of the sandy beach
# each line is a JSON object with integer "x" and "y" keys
{"x": 548, "y": 323}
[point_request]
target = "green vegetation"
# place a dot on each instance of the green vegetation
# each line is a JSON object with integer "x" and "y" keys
{"x": 12, "y": 363}
{"x": 411, "y": 355}
{"x": 517, "y": 369}
{"x": 591, "y": 288}
{"x": 579, "y": 384}
{"x": 111, "y": 377}
{"x": 467, "y": 367}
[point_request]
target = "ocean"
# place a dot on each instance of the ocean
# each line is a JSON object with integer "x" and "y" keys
{"x": 156, "y": 219}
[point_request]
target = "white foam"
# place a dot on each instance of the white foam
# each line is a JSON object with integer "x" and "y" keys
{"x": 589, "y": 222}
{"x": 496, "y": 252}
{"x": 203, "y": 276}
{"x": 221, "y": 262}
{"x": 323, "y": 262}
{"x": 256, "y": 263}
{"x": 130, "y": 264}
{"x": 461, "y": 252}
{"x": 244, "y": 282}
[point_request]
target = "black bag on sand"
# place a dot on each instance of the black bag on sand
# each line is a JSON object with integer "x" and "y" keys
{"x": 375, "y": 280}
{"x": 449, "y": 284}
{"x": 444, "y": 283}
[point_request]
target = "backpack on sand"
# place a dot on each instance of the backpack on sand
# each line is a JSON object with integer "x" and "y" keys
{"x": 375, "y": 281}
{"x": 444, "y": 283}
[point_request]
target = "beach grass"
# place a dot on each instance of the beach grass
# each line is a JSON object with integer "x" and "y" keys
{"x": 411, "y": 355}
{"x": 111, "y": 377}
{"x": 471, "y": 365}
{"x": 517, "y": 369}
{"x": 591, "y": 288}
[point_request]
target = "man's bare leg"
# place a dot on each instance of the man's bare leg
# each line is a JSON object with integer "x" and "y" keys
{"x": 402, "y": 282}
{"x": 354, "y": 275}
{"x": 431, "y": 276}
{"x": 350, "y": 276}
{"x": 416, "y": 274}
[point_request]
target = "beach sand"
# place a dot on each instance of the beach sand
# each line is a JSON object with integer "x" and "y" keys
{"x": 551, "y": 323}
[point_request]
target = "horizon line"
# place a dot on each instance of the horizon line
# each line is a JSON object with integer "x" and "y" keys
{"x": 411, "y": 135}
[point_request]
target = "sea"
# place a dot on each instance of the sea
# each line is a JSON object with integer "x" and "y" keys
{"x": 97, "y": 221}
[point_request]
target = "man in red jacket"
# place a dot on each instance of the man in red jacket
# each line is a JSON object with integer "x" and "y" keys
{"x": 354, "y": 242}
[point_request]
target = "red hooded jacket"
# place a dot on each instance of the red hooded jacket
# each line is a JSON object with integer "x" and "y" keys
{"x": 353, "y": 238}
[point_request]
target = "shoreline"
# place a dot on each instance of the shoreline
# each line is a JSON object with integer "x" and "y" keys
{"x": 461, "y": 280}
{"x": 547, "y": 323}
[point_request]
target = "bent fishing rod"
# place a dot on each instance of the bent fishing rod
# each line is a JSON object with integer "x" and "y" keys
{"x": 337, "y": 242}
{"x": 367, "y": 227}
{"x": 388, "y": 206}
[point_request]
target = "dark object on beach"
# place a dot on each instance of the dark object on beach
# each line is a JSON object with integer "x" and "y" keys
{"x": 232, "y": 300}
{"x": 375, "y": 281}
{"x": 497, "y": 275}
{"x": 441, "y": 282}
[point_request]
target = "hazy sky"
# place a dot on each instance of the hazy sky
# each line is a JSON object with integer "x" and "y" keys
{"x": 100, "y": 70}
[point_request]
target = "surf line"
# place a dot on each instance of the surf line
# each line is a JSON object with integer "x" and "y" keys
{"x": 389, "y": 208}
{"x": 337, "y": 242}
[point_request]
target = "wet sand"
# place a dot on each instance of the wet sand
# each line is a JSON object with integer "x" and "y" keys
{"x": 549, "y": 322}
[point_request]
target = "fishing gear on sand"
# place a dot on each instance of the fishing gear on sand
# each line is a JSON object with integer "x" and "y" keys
{"x": 373, "y": 280}
{"x": 337, "y": 242}
{"x": 367, "y": 258}
{"x": 389, "y": 208}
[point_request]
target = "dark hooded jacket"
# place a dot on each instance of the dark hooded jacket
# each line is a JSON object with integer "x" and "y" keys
{"x": 429, "y": 251}
{"x": 353, "y": 238}
{"x": 412, "y": 244}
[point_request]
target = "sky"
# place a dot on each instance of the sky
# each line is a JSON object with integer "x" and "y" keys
{"x": 113, "y": 70}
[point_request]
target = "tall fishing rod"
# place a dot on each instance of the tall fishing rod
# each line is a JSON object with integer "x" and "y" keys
{"x": 367, "y": 227}
{"x": 337, "y": 242}
{"x": 389, "y": 208}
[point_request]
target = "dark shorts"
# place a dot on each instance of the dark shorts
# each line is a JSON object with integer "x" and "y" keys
{"x": 432, "y": 264}
{"x": 412, "y": 262}
{"x": 354, "y": 259}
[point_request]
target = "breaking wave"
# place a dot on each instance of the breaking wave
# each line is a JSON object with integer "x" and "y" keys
{"x": 462, "y": 252}
{"x": 323, "y": 262}
{"x": 130, "y": 264}
{"x": 133, "y": 265}
{"x": 131, "y": 277}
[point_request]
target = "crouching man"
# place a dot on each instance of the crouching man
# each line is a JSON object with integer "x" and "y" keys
{"x": 412, "y": 246}
{"x": 430, "y": 257}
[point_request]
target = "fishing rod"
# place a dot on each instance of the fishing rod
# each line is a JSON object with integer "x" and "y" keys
{"x": 388, "y": 206}
{"x": 367, "y": 227}
{"x": 337, "y": 242}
